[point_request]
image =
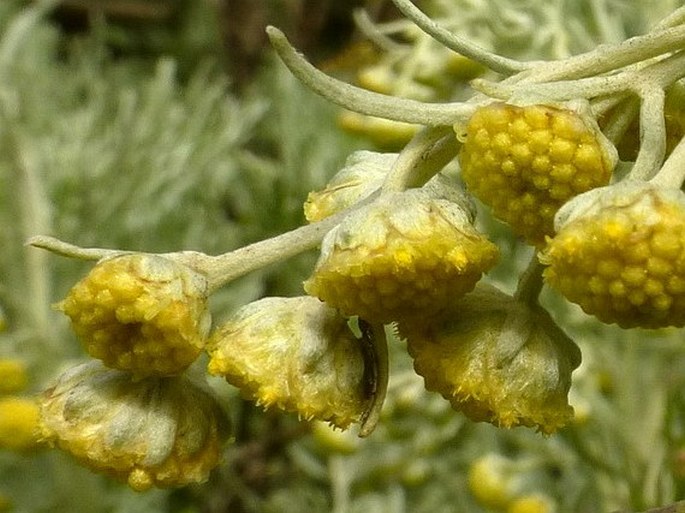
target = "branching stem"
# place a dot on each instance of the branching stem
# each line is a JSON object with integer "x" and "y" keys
{"x": 362, "y": 101}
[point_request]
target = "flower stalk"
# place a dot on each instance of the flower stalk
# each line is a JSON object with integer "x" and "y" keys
{"x": 361, "y": 100}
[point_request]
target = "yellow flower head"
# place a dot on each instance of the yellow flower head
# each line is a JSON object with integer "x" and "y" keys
{"x": 155, "y": 431}
{"x": 13, "y": 375}
{"x": 141, "y": 313}
{"x": 525, "y": 162}
{"x": 497, "y": 360}
{"x": 407, "y": 254}
{"x": 19, "y": 422}
{"x": 293, "y": 353}
{"x": 363, "y": 173}
{"x": 620, "y": 254}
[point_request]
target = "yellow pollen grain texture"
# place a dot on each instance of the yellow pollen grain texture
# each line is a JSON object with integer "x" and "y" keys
{"x": 408, "y": 277}
{"x": 132, "y": 321}
{"x": 621, "y": 267}
{"x": 547, "y": 153}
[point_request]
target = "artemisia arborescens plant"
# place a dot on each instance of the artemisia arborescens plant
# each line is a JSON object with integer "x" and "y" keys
{"x": 535, "y": 143}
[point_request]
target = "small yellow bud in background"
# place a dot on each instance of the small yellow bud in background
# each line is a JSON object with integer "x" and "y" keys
{"x": 497, "y": 360}
{"x": 363, "y": 173}
{"x": 13, "y": 375}
{"x": 533, "y": 503}
{"x": 297, "y": 354}
{"x": 526, "y": 162}
{"x": 156, "y": 431}
{"x": 19, "y": 421}
{"x": 620, "y": 254}
{"x": 407, "y": 254}
{"x": 383, "y": 133}
{"x": 494, "y": 480}
{"x": 140, "y": 313}
{"x": 334, "y": 440}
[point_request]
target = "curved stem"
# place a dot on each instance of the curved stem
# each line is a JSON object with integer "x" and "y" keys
{"x": 677, "y": 17}
{"x": 459, "y": 44}
{"x": 426, "y": 154}
{"x": 225, "y": 268}
{"x": 652, "y": 135}
{"x": 374, "y": 337}
{"x": 561, "y": 90}
{"x": 672, "y": 173}
{"x": 610, "y": 57}
{"x": 371, "y": 32}
{"x": 360, "y": 100}
{"x": 66, "y": 249}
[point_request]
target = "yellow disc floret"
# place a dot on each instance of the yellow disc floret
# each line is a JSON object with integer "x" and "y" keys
{"x": 407, "y": 254}
{"x": 525, "y": 162}
{"x": 623, "y": 259}
{"x": 141, "y": 313}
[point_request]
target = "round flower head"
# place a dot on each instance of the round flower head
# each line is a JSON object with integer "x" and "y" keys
{"x": 156, "y": 431}
{"x": 408, "y": 253}
{"x": 364, "y": 172}
{"x": 19, "y": 421}
{"x": 142, "y": 313}
{"x": 525, "y": 162}
{"x": 620, "y": 254}
{"x": 294, "y": 353}
{"x": 497, "y": 360}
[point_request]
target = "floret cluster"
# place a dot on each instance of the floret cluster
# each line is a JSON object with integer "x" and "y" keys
{"x": 633, "y": 273}
{"x": 525, "y": 162}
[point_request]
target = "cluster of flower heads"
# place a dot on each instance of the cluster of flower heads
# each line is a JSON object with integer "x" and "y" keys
{"x": 400, "y": 246}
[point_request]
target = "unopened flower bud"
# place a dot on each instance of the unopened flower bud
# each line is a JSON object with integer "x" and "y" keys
{"x": 620, "y": 254}
{"x": 141, "y": 313}
{"x": 155, "y": 431}
{"x": 407, "y": 254}
{"x": 497, "y": 360}
{"x": 297, "y": 354}
{"x": 364, "y": 172}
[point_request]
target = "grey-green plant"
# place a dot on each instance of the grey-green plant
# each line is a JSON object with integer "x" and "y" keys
{"x": 101, "y": 153}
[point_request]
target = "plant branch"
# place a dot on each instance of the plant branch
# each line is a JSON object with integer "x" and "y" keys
{"x": 361, "y": 100}
{"x": 459, "y": 44}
